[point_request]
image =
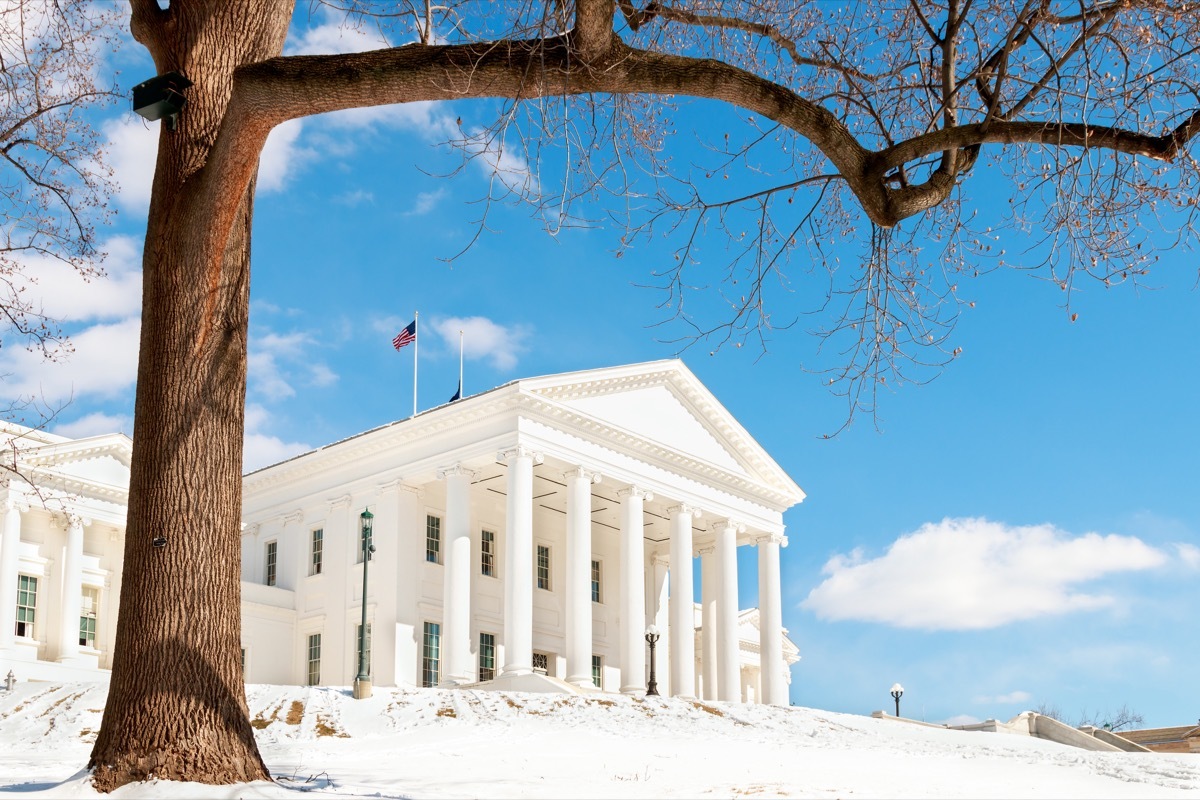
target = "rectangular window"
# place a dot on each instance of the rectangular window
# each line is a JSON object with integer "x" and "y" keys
{"x": 543, "y": 566}
{"x": 597, "y": 668}
{"x": 487, "y": 656}
{"x": 431, "y": 646}
{"x": 314, "y": 659}
{"x": 26, "y": 605}
{"x": 595, "y": 581}
{"x": 272, "y": 557}
{"x": 357, "y": 631}
{"x": 541, "y": 663}
{"x": 487, "y": 553}
{"x": 89, "y": 605}
{"x": 318, "y": 551}
{"x": 433, "y": 539}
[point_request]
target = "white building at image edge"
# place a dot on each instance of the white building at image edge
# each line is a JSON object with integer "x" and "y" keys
{"x": 524, "y": 538}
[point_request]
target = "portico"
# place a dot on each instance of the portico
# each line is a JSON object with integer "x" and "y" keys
{"x": 543, "y": 526}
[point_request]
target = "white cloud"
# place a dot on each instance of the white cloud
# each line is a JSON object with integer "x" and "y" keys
{"x": 277, "y": 361}
{"x": 333, "y": 36}
{"x": 281, "y": 156}
{"x": 1189, "y": 554}
{"x": 355, "y": 198}
{"x": 426, "y": 202}
{"x": 1012, "y": 698}
{"x": 104, "y": 363}
{"x": 493, "y": 155}
{"x": 972, "y": 574}
{"x": 260, "y": 449}
{"x": 483, "y": 338}
{"x": 96, "y": 424}
{"x": 132, "y": 152}
{"x": 422, "y": 116}
{"x": 65, "y": 296}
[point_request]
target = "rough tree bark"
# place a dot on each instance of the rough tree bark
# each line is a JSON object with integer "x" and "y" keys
{"x": 176, "y": 706}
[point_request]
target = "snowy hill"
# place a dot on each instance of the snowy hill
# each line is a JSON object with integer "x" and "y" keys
{"x": 432, "y": 743}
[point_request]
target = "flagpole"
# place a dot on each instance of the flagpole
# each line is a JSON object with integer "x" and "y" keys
{"x": 460, "y": 354}
{"x": 416, "y": 345}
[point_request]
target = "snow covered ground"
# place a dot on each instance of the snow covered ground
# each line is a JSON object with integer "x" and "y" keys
{"x": 320, "y": 743}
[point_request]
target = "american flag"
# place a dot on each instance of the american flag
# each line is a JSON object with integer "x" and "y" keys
{"x": 406, "y": 336}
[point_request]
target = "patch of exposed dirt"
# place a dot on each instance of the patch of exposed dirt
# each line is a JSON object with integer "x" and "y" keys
{"x": 446, "y": 711}
{"x": 260, "y": 722}
{"x": 716, "y": 712}
{"x": 295, "y": 713}
{"x": 324, "y": 728}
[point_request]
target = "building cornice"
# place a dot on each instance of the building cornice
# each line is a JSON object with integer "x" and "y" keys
{"x": 542, "y": 400}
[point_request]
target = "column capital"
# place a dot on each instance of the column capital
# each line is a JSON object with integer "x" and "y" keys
{"x": 520, "y": 451}
{"x": 293, "y": 517}
{"x": 11, "y": 502}
{"x": 339, "y": 502}
{"x": 685, "y": 510}
{"x": 661, "y": 560}
{"x": 635, "y": 491}
{"x": 707, "y": 550}
{"x": 455, "y": 470}
{"x": 728, "y": 524}
{"x": 591, "y": 476}
{"x": 771, "y": 538}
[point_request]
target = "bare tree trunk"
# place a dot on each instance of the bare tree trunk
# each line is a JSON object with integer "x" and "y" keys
{"x": 176, "y": 706}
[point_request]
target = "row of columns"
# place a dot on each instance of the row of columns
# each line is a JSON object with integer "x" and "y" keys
{"x": 72, "y": 581}
{"x": 719, "y": 564}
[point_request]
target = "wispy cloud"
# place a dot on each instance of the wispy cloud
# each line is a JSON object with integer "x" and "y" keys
{"x": 355, "y": 198}
{"x": 68, "y": 298}
{"x": 132, "y": 147}
{"x": 484, "y": 339}
{"x": 426, "y": 202}
{"x": 279, "y": 361}
{"x": 1012, "y": 698}
{"x": 103, "y": 364}
{"x": 972, "y": 574}
{"x": 334, "y": 36}
{"x": 261, "y": 449}
{"x": 95, "y": 424}
{"x": 282, "y": 157}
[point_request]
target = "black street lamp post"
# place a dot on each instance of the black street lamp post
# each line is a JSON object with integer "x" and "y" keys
{"x": 652, "y": 636}
{"x": 897, "y": 691}
{"x": 362, "y": 682}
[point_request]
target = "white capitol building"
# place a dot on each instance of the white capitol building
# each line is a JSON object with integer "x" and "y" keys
{"x": 525, "y": 538}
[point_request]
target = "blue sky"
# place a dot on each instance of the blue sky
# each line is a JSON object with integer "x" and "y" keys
{"x": 1022, "y": 530}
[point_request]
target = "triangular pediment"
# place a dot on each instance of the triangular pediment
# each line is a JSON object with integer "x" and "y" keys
{"x": 663, "y": 403}
{"x": 97, "y": 465}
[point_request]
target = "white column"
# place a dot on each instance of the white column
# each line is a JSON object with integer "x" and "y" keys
{"x": 659, "y": 589}
{"x": 518, "y": 573}
{"x": 683, "y": 599}
{"x": 72, "y": 591}
{"x": 10, "y": 542}
{"x": 632, "y": 610}
{"x": 710, "y": 581}
{"x": 456, "y": 578}
{"x": 579, "y": 576}
{"x": 729, "y": 682}
{"x": 772, "y": 688}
